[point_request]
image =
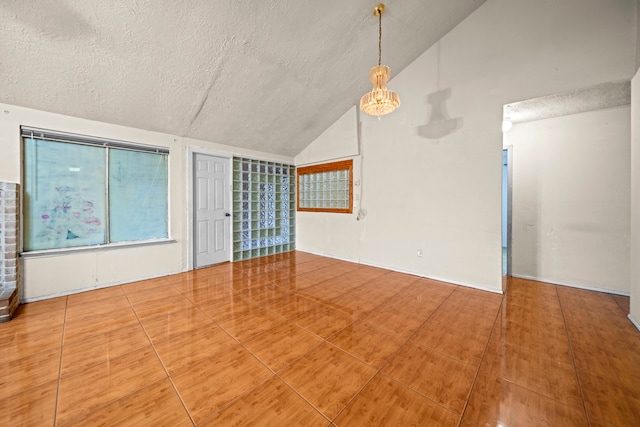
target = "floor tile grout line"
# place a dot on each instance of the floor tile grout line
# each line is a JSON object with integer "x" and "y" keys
{"x": 277, "y": 373}
{"x": 355, "y": 396}
{"x": 353, "y": 355}
{"x": 64, "y": 324}
{"x": 283, "y": 368}
{"x": 566, "y": 318}
{"x": 237, "y": 398}
{"x": 531, "y": 390}
{"x": 93, "y": 365}
{"x": 30, "y": 354}
{"x": 545, "y": 396}
{"x": 175, "y": 389}
{"x": 542, "y": 395}
{"x": 255, "y": 356}
{"x": 390, "y": 358}
{"x": 106, "y": 404}
{"x": 234, "y": 400}
{"x": 303, "y": 398}
{"x": 59, "y": 376}
{"x": 573, "y": 358}
{"x": 430, "y": 399}
{"x": 484, "y": 352}
{"x": 445, "y": 355}
{"x": 90, "y": 337}
{"x": 330, "y": 420}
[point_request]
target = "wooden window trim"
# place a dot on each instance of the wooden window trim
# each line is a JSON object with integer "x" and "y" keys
{"x": 325, "y": 167}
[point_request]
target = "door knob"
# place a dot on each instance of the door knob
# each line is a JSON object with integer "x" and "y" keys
{"x": 227, "y": 214}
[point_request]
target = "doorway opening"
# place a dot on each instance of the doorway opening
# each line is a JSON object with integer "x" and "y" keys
{"x": 506, "y": 210}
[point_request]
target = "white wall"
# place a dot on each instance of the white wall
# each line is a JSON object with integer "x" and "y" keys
{"x": 637, "y": 35}
{"x": 340, "y": 140}
{"x": 444, "y": 195}
{"x": 635, "y": 200}
{"x": 635, "y": 182}
{"x": 44, "y": 276}
{"x": 570, "y": 212}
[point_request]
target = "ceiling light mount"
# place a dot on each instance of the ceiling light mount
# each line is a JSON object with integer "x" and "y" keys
{"x": 380, "y": 100}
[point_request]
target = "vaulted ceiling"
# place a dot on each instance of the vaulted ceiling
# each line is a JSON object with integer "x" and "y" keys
{"x": 265, "y": 75}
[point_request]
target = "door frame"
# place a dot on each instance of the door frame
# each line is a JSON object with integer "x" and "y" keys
{"x": 509, "y": 150}
{"x": 191, "y": 188}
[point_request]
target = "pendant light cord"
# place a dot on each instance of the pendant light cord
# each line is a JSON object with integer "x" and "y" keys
{"x": 379, "y": 37}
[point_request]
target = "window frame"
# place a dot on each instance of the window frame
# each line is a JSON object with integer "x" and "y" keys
{"x": 106, "y": 144}
{"x": 321, "y": 168}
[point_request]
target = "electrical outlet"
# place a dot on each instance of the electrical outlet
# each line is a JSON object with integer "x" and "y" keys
{"x": 419, "y": 253}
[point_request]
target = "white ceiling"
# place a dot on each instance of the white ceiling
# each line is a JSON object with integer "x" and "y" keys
{"x": 598, "y": 97}
{"x": 265, "y": 75}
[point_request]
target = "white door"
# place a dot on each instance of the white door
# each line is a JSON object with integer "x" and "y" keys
{"x": 212, "y": 215}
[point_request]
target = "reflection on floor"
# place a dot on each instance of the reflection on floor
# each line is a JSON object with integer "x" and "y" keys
{"x": 298, "y": 339}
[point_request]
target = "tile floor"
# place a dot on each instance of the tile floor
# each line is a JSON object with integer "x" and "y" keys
{"x": 298, "y": 339}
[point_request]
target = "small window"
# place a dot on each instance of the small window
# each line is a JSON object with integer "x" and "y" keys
{"x": 85, "y": 191}
{"x": 326, "y": 187}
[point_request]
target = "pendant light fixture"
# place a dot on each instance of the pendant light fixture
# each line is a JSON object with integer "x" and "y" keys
{"x": 380, "y": 100}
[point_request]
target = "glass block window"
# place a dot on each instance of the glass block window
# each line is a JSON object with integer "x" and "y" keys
{"x": 326, "y": 187}
{"x": 263, "y": 208}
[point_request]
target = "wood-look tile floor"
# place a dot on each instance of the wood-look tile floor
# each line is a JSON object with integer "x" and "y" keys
{"x": 301, "y": 340}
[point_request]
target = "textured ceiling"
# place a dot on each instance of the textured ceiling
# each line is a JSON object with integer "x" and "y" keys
{"x": 605, "y": 95}
{"x": 265, "y": 75}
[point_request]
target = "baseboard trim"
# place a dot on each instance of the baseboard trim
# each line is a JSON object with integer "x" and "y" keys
{"x": 636, "y": 324}
{"x": 386, "y": 267}
{"x": 571, "y": 285}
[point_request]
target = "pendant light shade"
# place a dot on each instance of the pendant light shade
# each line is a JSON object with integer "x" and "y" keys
{"x": 380, "y": 100}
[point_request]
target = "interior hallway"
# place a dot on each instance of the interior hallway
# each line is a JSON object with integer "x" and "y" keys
{"x": 299, "y": 339}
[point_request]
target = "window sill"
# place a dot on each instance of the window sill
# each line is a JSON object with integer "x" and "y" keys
{"x": 67, "y": 251}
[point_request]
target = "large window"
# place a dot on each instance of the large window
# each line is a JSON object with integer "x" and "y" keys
{"x": 326, "y": 187}
{"x": 85, "y": 191}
